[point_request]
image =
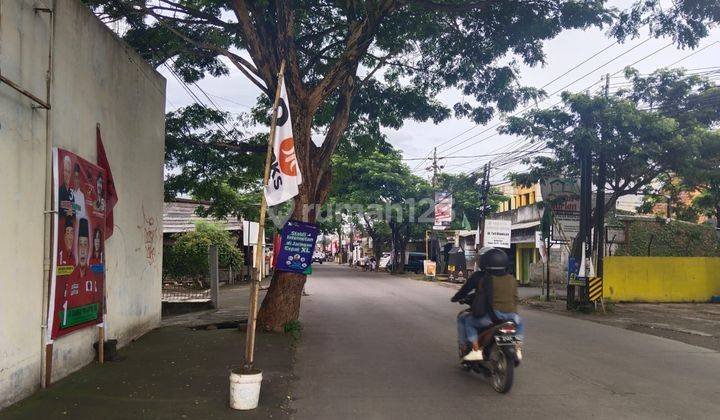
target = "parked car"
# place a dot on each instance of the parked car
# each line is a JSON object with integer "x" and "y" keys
{"x": 415, "y": 262}
{"x": 318, "y": 257}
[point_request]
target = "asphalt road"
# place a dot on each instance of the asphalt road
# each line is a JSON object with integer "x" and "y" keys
{"x": 376, "y": 346}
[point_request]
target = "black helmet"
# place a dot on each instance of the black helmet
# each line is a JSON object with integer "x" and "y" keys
{"x": 493, "y": 260}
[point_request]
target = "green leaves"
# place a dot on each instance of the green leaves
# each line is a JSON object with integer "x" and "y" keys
{"x": 208, "y": 158}
{"x": 187, "y": 257}
{"x": 654, "y": 127}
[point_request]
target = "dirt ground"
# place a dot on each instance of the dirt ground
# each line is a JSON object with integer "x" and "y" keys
{"x": 692, "y": 323}
{"x": 170, "y": 373}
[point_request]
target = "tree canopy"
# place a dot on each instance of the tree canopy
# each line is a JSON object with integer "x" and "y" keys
{"x": 651, "y": 128}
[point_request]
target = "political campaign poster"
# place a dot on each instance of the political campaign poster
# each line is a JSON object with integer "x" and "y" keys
{"x": 497, "y": 233}
{"x": 78, "y": 269}
{"x": 443, "y": 210}
{"x": 297, "y": 243}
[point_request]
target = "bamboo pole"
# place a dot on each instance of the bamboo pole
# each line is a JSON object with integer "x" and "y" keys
{"x": 101, "y": 344}
{"x": 255, "y": 289}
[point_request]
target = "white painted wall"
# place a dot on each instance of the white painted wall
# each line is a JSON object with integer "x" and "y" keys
{"x": 96, "y": 79}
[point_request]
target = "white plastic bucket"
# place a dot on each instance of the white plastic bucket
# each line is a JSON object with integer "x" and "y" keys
{"x": 245, "y": 389}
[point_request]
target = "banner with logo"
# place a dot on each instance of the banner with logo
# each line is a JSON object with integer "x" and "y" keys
{"x": 78, "y": 272}
{"x": 443, "y": 210}
{"x": 297, "y": 243}
{"x": 285, "y": 176}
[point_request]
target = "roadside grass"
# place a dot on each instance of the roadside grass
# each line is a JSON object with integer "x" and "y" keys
{"x": 294, "y": 329}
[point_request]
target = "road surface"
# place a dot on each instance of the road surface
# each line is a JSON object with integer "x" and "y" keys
{"x": 376, "y": 346}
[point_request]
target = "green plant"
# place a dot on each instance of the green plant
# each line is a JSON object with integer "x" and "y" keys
{"x": 188, "y": 256}
{"x": 658, "y": 238}
{"x": 294, "y": 328}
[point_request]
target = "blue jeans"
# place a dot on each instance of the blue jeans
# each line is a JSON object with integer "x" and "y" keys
{"x": 468, "y": 325}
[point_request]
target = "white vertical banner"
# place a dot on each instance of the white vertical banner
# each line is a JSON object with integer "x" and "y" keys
{"x": 285, "y": 173}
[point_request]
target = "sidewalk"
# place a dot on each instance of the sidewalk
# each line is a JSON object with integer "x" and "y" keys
{"x": 173, "y": 372}
{"x": 233, "y": 302}
{"x": 692, "y": 323}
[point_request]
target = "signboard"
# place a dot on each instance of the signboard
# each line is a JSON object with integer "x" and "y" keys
{"x": 297, "y": 242}
{"x": 250, "y": 232}
{"x": 573, "y": 273}
{"x": 443, "y": 210}
{"x": 78, "y": 269}
{"x": 595, "y": 289}
{"x": 554, "y": 189}
{"x": 497, "y": 233}
{"x": 563, "y": 196}
{"x": 429, "y": 267}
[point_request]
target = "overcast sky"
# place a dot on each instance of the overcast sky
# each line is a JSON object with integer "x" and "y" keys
{"x": 415, "y": 139}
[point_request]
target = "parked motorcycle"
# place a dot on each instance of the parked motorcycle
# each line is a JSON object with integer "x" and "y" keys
{"x": 502, "y": 352}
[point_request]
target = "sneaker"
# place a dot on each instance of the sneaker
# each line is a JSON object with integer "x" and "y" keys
{"x": 474, "y": 356}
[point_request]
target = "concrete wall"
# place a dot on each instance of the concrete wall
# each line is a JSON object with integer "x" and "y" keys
{"x": 96, "y": 79}
{"x": 661, "y": 279}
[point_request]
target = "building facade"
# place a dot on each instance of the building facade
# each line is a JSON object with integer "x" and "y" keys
{"x": 55, "y": 54}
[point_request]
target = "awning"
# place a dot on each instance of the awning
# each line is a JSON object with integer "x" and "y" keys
{"x": 526, "y": 225}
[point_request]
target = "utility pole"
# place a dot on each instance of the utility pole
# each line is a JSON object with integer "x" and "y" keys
{"x": 435, "y": 168}
{"x": 600, "y": 195}
{"x": 485, "y": 192}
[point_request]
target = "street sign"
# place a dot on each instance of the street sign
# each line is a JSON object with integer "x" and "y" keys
{"x": 595, "y": 288}
{"x": 497, "y": 233}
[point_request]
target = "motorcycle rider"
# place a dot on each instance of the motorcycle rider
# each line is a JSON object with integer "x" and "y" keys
{"x": 495, "y": 300}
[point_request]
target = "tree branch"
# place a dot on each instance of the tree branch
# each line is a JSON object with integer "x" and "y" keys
{"x": 261, "y": 53}
{"x": 358, "y": 42}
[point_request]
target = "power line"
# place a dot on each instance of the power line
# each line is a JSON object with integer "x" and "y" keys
{"x": 593, "y": 84}
{"x": 555, "y": 92}
{"x": 543, "y": 87}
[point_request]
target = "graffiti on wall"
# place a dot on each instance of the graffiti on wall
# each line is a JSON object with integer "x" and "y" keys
{"x": 149, "y": 230}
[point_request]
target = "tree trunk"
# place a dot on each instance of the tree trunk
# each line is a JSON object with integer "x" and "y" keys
{"x": 282, "y": 302}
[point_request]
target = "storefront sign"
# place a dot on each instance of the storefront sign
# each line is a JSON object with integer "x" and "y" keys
{"x": 78, "y": 272}
{"x": 497, "y": 233}
{"x": 297, "y": 242}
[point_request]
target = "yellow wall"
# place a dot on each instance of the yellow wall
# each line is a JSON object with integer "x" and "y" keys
{"x": 519, "y": 196}
{"x": 661, "y": 279}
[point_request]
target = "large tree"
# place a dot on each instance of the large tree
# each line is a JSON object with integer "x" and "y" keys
{"x": 657, "y": 135}
{"x": 377, "y": 60}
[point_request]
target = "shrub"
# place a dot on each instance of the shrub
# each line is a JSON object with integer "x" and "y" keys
{"x": 670, "y": 239}
{"x": 188, "y": 256}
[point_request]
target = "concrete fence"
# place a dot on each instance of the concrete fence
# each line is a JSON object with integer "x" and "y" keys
{"x": 661, "y": 279}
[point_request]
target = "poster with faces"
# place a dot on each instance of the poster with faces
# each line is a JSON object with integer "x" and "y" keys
{"x": 78, "y": 274}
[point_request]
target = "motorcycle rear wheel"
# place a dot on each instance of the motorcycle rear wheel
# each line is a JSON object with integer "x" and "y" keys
{"x": 501, "y": 370}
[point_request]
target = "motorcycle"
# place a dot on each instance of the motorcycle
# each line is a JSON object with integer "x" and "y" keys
{"x": 501, "y": 349}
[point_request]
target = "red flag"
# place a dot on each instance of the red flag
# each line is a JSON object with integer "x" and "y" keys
{"x": 111, "y": 197}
